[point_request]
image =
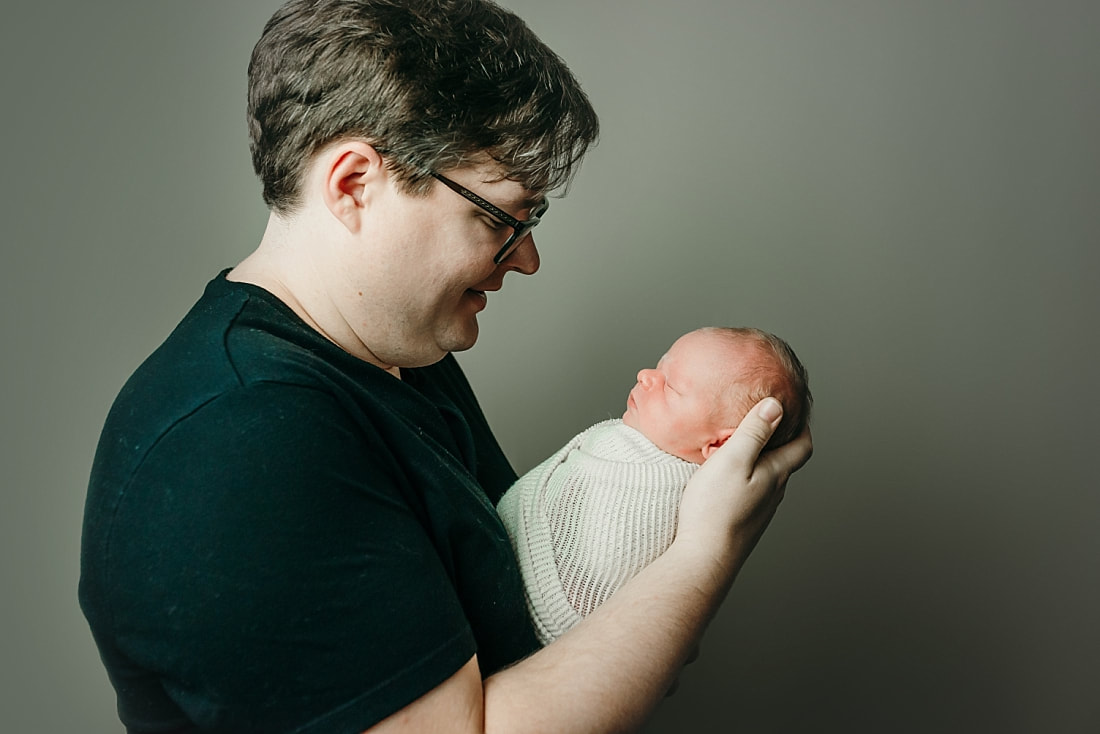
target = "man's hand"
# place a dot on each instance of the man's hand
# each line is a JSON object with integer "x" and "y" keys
{"x": 729, "y": 502}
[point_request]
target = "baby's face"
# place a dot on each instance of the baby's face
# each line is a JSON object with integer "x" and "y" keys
{"x": 677, "y": 404}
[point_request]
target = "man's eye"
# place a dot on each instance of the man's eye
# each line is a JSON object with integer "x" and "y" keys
{"x": 494, "y": 224}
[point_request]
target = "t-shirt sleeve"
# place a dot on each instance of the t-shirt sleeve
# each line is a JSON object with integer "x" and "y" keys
{"x": 276, "y": 572}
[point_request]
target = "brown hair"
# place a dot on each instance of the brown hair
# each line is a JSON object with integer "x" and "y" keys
{"x": 432, "y": 84}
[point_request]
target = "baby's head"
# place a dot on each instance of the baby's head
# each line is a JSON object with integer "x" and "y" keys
{"x": 696, "y": 396}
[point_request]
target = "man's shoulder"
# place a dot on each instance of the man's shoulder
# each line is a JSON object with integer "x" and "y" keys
{"x": 236, "y": 336}
{"x": 196, "y": 362}
{"x": 214, "y": 351}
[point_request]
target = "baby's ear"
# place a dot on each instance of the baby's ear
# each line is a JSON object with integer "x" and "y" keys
{"x": 721, "y": 437}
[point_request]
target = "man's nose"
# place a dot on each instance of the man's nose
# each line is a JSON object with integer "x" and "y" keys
{"x": 525, "y": 258}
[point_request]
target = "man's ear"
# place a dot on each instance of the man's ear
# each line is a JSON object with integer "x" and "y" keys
{"x": 352, "y": 171}
{"x": 715, "y": 443}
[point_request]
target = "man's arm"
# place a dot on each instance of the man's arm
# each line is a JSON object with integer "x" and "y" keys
{"x": 609, "y": 672}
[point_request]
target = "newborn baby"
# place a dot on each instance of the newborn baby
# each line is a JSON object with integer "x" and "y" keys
{"x": 595, "y": 513}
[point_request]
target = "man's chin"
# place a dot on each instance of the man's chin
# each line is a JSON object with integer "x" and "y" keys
{"x": 461, "y": 339}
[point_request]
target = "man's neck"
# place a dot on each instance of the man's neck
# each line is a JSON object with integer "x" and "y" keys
{"x": 283, "y": 265}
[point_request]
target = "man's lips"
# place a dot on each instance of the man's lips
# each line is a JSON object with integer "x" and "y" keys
{"x": 479, "y": 297}
{"x": 483, "y": 291}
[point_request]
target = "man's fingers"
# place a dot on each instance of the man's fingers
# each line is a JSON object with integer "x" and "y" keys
{"x": 792, "y": 456}
{"x": 744, "y": 446}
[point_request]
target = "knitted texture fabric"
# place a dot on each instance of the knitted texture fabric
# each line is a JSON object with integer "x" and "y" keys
{"x": 589, "y": 518}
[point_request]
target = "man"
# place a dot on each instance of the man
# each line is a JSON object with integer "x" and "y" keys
{"x": 290, "y": 520}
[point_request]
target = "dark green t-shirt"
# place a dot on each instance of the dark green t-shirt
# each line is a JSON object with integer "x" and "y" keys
{"x": 280, "y": 537}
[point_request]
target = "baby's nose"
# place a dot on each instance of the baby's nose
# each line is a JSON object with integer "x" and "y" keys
{"x": 647, "y": 378}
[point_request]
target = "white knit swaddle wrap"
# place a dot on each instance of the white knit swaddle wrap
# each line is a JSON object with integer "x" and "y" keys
{"x": 589, "y": 518}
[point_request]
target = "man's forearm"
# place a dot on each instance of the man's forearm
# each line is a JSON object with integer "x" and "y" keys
{"x": 610, "y": 671}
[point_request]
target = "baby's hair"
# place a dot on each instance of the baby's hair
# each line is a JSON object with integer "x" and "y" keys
{"x": 793, "y": 389}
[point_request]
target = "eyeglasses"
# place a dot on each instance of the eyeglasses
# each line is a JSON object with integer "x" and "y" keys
{"x": 519, "y": 229}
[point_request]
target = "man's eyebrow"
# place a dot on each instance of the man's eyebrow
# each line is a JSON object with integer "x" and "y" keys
{"x": 524, "y": 205}
{"x": 521, "y": 204}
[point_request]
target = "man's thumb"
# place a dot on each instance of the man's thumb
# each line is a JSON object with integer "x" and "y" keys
{"x": 755, "y": 429}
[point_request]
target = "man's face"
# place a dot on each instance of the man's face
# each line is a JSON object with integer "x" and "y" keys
{"x": 676, "y": 405}
{"x": 426, "y": 263}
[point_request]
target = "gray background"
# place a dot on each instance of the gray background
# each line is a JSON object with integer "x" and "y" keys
{"x": 907, "y": 191}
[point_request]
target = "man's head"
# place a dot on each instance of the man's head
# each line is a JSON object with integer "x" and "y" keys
{"x": 701, "y": 389}
{"x": 433, "y": 85}
{"x": 405, "y": 148}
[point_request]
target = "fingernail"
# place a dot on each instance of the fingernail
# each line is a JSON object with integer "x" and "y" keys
{"x": 770, "y": 409}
